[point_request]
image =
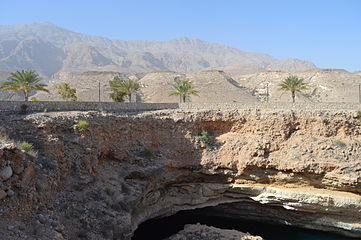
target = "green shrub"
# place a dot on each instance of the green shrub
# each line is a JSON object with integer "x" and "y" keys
{"x": 148, "y": 152}
{"x": 33, "y": 99}
{"x": 359, "y": 115}
{"x": 26, "y": 147}
{"x": 109, "y": 191}
{"x": 23, "y": 109}
{"x": 81, "y": 125}
{"x": 339, "y": 143}
{"x": 208, "y": 140}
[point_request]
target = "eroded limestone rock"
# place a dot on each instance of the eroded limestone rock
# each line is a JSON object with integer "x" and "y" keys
{"x": 300, "y": 167}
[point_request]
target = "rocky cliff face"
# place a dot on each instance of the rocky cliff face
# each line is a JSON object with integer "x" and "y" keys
{"x": 301, "y": 167}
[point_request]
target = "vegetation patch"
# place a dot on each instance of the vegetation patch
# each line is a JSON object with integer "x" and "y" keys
{"x": 81, "y": 125}
{"x": 108, "y": 191}
{"x": 123, "y": 87}
{"x": 66, "y": 92}
{"x": 359, "y": 115}
{"x": 207, "y": 139}
{"x": 184, "y": 88}
{"x": 148, "y": 152}
{"x": 26, "y": 147}
{"x": 23, "y": 109}
{"x": 293, "y": 84}
{"x": 25, "y": 81}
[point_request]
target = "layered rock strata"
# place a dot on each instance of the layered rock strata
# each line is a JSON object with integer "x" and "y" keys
{"x": 296, "y": 167}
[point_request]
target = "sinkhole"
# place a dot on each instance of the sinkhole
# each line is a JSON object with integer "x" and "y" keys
{"x": 161, "y": 228}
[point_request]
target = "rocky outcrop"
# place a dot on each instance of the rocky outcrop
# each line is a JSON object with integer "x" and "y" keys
{"x": 299, "y": 167}
{"x": 288, "y": 65}
{"x": 202, "y": 232}
{"x": 324, "y": 85}
{"x": 213, "y": 86}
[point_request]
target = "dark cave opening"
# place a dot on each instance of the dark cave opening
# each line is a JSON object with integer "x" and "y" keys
{"x": 161, "y": 228}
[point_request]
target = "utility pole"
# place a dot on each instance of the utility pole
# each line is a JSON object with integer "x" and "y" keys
{"x": 99, "y": 90}
{"x": 267, "y": 92}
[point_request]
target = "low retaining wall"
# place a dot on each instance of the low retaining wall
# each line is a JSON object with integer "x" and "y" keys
{"x": 273, "y": 105}
{"x": 44, "y": 106}
{"x": 49, "y": 106}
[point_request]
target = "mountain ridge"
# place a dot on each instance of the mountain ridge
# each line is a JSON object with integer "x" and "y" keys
{"x": 49, "y": 48}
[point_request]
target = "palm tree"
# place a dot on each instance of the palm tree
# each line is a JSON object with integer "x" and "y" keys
{"x": 184, "y": 88}
{"x": 25, "y": 81}
{"x": 126, "y": 87}
{"x": 293, "y": 84}
{"x": 66, "y": 92}
{"x": 115, "y": 95}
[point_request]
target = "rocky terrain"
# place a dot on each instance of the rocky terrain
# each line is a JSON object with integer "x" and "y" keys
{"x": 204, "y": 232}
{"x": 86, "y": 85}
{"x": 300, "y": 167}
{"x": 213, "y": 85}
{"x": 324, "y": 85}
{"x": 49, "y": 49}
{"x": 286, "y": 65}
{"x": 291, "y": 65}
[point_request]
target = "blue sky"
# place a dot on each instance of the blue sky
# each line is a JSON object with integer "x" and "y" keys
{"x": 326, "y": 32}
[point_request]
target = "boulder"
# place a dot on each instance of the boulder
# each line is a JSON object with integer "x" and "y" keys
{"x": 6, "y": 173}
{"x": 2, "y": 194}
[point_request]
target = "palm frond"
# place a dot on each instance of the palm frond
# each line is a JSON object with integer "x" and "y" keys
{"x": 293, "y": 83}
{"x": 25, "y": 81}
{"x": 40, "y": 87}
{"x": 184, "y": 87}
{"x": 174, "y": 93}
{"x": 122, "y": 87}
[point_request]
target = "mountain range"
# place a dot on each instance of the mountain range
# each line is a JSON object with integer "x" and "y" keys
{"x": 49, "y": 49}
{"x": 221, "y": 73}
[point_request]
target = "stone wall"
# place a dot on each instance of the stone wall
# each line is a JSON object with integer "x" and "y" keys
{"x": 44, "y": 106}
{"x": 49, "y": 106}
{"x": 273, "y": 105}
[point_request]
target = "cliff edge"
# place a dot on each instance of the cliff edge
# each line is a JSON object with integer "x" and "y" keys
{"x": 297, "y": 166}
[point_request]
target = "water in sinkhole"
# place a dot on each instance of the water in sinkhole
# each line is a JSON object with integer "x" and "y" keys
{"x": 160, "y": 228}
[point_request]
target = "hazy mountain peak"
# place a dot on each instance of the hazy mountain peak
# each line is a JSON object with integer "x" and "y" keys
{"x": 188, "y": 40}
{"x": 291, "y": 65}
{"x": 80, "y": 52}
{"x": 27, "y": 27}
